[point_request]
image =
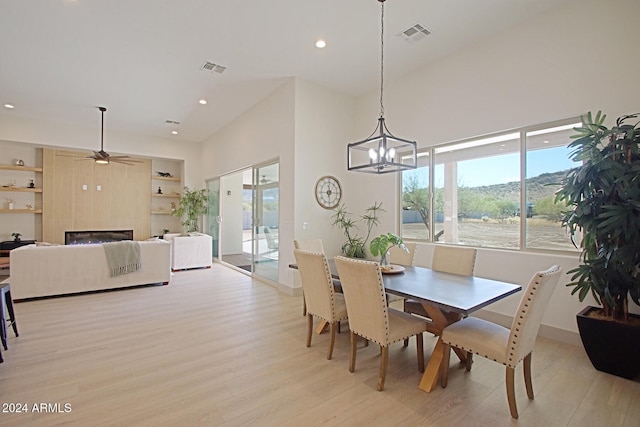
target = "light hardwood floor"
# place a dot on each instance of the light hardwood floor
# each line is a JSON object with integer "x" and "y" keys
{"x": 218, "y": 348}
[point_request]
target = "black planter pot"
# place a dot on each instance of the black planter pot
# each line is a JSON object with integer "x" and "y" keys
{"x": 612, "y": 347}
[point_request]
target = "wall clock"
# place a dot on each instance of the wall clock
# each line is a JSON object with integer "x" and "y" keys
{"x": 328, "y": 192}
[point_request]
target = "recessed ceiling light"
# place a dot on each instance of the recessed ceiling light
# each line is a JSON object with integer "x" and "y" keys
{"x": 203, "y": 101}
{"x": 174, "y": 132}
{"x": 320, "y": 44}
{"x": 9, "y": 106}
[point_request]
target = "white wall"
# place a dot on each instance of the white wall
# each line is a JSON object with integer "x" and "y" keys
{"x": 263, "y": 133}
{"x": 324, "y": 127}
{"x": 578, "y": 58}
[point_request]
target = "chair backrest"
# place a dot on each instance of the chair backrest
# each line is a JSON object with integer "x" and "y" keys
{"x": 527, "y": 319}
{"x": 316, "y": 283}
{"x": 454, "y": 260}
{"x": 400, "y": 257}
{"x": 365, "y": 298}
{"x": 311, "y": 245}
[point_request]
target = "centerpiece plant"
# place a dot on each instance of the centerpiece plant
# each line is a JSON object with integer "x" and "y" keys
{"x": 381, "y": 244}
{"x": 355, "y": 245}
{"x": 192, "y": 205}
{"x": 603, "y": 221}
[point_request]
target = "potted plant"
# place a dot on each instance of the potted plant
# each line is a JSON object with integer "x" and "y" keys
{"x": 192, "y": 205}
{"x": 16, "y": 237}
{"x": 603, "y": 197}
{"x": 355, "y": 246}
{"x": 380, "y": 246}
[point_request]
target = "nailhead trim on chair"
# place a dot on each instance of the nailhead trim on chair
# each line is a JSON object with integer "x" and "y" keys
{"x": 511, "y": 362}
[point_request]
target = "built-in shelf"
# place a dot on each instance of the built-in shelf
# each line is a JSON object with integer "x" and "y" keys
{"x": 168, "y": 196}
{"x": 18, "y": 211}
{"x": 19, "y": 168}
{"x": 166, "y": 178}
{"x": 161, "y": 212}
{"x": 22, "y": 189}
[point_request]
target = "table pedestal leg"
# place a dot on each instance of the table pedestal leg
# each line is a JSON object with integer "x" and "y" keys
{"x": 440, "y": 321}
{"x": 323, "y": 326}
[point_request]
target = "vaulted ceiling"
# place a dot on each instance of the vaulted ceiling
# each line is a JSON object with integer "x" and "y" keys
{"x": 143, "y": 59}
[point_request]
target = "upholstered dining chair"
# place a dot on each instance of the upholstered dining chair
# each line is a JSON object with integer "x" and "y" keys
{"x": 506, "y": 346}
{"x": 311, "y": 245}
{"x": 447, "y": 259}
{"x": 314, "y": 245}
{"x": 369, "y": 315}
{"x": 400, "y": 257}
{"x": 322, "y": 300}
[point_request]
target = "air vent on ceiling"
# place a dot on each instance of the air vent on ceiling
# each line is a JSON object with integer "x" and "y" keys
{"x": 212, "y": 68}
{"x": 414, "y": 34}
{"x": 171, "y": 122}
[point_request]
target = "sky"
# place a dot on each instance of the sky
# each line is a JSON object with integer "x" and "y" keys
{"x": 506, "y": 168}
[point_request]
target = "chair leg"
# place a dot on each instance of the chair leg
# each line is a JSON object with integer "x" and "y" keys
{"x": 384, "y": 361}
{"x": 527, "y": 375}
{"x": 511, "y": 395}
{"x": 309, "y": 328}
{"x": 444, "y": 369}
{"x": 304, "y": 305}
{"x": 3, "y": 323}
{"x": 332, "y": 339}
{"x": 469, "y": 361}
{"x": 352, "y": 357}
{"x": 12, "y": 316}
{"x": 420, "y": 347}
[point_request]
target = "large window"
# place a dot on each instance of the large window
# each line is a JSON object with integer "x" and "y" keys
{"x": 495, "y": 191}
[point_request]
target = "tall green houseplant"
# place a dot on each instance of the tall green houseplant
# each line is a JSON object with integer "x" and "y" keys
{"x": 355, "y": 245}
{"x": 603, "y": 197}
{"x": 192, "y": 205}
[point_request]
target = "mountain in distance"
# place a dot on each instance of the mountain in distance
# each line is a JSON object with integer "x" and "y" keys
{"x": 538, "y": 187}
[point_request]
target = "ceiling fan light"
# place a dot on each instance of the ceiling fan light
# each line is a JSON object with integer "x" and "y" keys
{"x": 102, "y": 161}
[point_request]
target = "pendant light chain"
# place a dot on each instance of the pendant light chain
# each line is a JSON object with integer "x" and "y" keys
{"x": 382, "y": 152}
{"x": 381, "y": 57}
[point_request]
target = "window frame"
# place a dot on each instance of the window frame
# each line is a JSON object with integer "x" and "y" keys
{"x": 522, "y": 133}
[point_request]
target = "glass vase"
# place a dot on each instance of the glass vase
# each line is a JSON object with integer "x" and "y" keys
{"x": 385, "y": 260}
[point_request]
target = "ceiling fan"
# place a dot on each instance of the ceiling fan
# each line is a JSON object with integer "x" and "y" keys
{"x": 102, "y": 157}
{"x": 264, "y": 180}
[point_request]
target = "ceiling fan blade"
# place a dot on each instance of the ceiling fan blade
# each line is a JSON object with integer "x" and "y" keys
{"x": 124, "y": 161}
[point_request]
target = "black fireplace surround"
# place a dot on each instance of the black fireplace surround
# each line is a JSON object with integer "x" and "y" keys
{"x": 96, "y": 236}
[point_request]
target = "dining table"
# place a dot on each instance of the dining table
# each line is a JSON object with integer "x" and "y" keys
{"x": 446, "y": 298}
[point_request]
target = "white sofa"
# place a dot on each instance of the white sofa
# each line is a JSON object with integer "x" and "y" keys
{"x": 190, "y": 251}
{"x": 38, "y": 271}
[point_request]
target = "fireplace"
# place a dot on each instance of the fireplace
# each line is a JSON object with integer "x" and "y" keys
{"x": 96, "y": 236}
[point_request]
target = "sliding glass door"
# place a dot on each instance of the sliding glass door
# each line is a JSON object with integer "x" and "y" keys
{"x": 236, "y": 201}
{"x": 213, "y": 214}
{"x": 266, "y": 198}
{"x": 248, "y": 203}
